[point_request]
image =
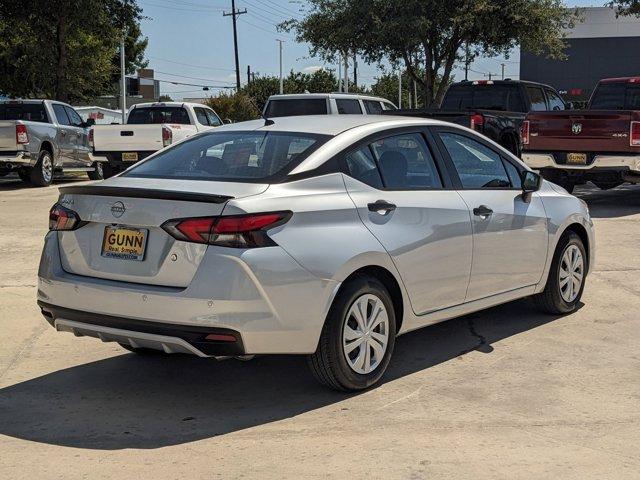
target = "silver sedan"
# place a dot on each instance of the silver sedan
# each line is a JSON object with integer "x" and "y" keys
{"x": 325, "y": 236}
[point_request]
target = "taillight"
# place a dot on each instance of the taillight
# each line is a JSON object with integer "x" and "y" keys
{"x": 167, "y": 136}
{"x": 61, "y": 218}
{"x": 524, "y": 132}
{"x": 634, "y": 134}
{"x": 237, "y": 231}
{"x": 22, "y": 136}
{"x": 90, "y": 137}
{"x": 477, "y": 120}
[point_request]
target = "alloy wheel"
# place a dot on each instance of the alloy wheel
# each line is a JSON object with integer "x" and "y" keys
{"x": 47, "y": 168}
{"x": 571, "y": 273}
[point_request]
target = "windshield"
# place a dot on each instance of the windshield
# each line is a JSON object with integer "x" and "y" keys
{"x": 146, "y": 115}
{"x": 616, "y": 96}
{"x": 486, "y": 96}
{"x": 231, "y": 156}
{"x": 295, "y": 106}
{"x": 34, "y": 112}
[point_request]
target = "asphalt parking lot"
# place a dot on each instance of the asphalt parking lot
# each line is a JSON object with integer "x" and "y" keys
{"x": 504, "y": 393}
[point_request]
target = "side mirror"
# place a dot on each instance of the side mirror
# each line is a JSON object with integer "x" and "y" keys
{"x": 227, "y": 120}
{"x": 89, "y": 123}
{"x": 531, "y": 181}
{"x": 570, "y": 106}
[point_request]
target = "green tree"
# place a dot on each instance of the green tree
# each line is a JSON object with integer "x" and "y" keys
{"x": 66, "y": 49}
{"x": 386, "y": 86}
{"x": 427, "y": 36}
{"x": 165, "y": 98}
{"x": 236, "y": 107}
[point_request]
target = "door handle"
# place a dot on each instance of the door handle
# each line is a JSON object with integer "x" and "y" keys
{"x": 381, "y": 206}
{"x": 482, "y": 211}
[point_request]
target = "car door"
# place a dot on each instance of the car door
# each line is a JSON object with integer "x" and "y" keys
{"x": 81, "y": 139}
{"x": 509, "y": 228}
{"x": 406, "y": 202}
{"x": 65, "y": 137}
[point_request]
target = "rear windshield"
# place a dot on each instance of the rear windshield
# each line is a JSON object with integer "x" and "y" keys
{"x": 231, "y": 156}
{"x": 33, "y": 112}
{"x": 487, "y": 96}
{"x": 292, "y": 107}
{"x": 145, "y": 115}
{"x": 616, "y": 96}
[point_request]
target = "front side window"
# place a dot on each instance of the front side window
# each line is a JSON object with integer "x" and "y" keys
{"x": 201, "y": 116}
{"x": 61, "y": 114}
{"x": 214, "y": 120}
{"x": 230, "y": 156}
{"x": 406, "y": 162}
{"x": 150, "y": 115}
{"x": 348, "y": 106}
{"x": 555, "y": 102}
{"x": 537, "y": 99}
{"x": 477, "y": 166}
{"x": 76, "y": 120}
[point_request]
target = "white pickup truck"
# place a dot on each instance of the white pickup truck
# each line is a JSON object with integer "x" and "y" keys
{"x": 149, "y": 128}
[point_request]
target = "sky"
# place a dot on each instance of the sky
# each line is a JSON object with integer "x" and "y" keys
{"x": 190, "y": 41}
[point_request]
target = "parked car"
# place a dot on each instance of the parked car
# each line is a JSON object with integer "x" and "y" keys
{"x": 325, "y": 104}
{"x": 600, "y": 144}
{"x": 149, "y": 128}
{"x": 495, "y": 108}
{"x": 41, "y": 137}
{"x": 305, "y": 235}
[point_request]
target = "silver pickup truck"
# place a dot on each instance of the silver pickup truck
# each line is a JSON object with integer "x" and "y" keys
{"x": 40, "y": 137}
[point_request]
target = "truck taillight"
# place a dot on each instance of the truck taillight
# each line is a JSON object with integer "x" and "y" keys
{"x": 236, "y": 231}
{"x": 524, "y": 132}
{"x": 91, "y": 138}
{"x": 22, "y": 136}
{"x": 634, "y": 134}
{"x": 167, "y": 136}
{"x": 476, "y": 120}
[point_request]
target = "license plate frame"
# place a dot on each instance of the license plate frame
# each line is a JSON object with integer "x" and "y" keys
{"x": 577, "y": 158}
{"x": 129, "y": 156}
{"x": 135, "y": 251}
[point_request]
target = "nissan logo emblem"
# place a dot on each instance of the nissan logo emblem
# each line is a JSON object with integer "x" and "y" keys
{"x": 118, "y": 209}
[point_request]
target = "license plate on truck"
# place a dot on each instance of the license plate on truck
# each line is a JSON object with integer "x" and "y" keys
{"x": 130, "y": 157}
{"x": 577, "y": 158}
{"x": 125, "y": 243}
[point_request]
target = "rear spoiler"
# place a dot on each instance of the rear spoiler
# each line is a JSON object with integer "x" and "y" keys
{"x": 107, "y": 191}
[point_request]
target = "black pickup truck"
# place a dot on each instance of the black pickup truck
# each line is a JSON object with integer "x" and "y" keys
{"x": 495, "y": 108}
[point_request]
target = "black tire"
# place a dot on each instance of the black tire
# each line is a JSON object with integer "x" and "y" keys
{"x": 108, "y": 170}
{"x": 329, "y": 363}
{"x": 551, "y": 300}
{"x": 142, "y": 351}
{"x": 41, "y": 175}
{"x": 607, "y": 185}
{"x": 98, "y": 172}
{"x": 568, "y": 186}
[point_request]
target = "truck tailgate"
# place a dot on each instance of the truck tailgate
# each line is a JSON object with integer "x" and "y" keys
{"x": 127, "y": 138}
{"x": 8, "y": 136}
{"x": 580, "y": 131}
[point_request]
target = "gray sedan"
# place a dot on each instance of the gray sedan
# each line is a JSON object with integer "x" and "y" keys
{"x": 321, "y": 235}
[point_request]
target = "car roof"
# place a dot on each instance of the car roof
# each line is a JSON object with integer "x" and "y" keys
{"x": 327, "y": 124}
{"x": 297, "y": 96}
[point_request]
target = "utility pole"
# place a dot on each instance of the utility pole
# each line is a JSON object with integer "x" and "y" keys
{"x": 248, "y": 74}
{"x": 123, "y": 88}
{"x": 502, "y": 65}
{"x": 466, "y": 60}
{"x": 346, "y": 73}
{"x": 415, "y": 93}
{"x": 400, "y": 89}
{"x": 234, "y": 14}
{"x": 355, "y": 70}
{"x": 280, "y": 42}
{"x": 339, "y": 76}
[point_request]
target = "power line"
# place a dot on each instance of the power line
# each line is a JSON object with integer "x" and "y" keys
{"x": 284, "y": 9}
{"x": 192, "y": 78}
{"x": 182, "y": 9}
{"x": 192, "y": 65}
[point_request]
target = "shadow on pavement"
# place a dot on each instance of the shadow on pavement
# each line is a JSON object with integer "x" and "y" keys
{"x": 130, "y": 401}
{"x": 621, "y": 201}
{"x": 12, "y": 182}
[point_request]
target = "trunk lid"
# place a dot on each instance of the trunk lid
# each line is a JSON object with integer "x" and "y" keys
{"x": 142, "y": 204}
{"x": 580, "y": 131}
{"x": 8, "y": 136}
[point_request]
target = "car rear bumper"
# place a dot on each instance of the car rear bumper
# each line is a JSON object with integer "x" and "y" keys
{"x": 540, "y": 160}
{"x": 262, "y": 295}
{"x": 16, "y": 159}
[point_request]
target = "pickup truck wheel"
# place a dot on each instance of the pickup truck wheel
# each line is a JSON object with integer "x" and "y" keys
{"x": 42, "y": 172}
{"x": 98, "y": 172}
{"x": 568, "y": 186}
{"x": 607, "y": 185}
{"x": 107, "y": 170}
{"x": 567, "y": 274}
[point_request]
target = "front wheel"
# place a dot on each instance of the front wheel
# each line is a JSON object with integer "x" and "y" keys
{"x": 97, "y": 173}
{"x": 358, "y": 337}
{"x": 567, "y": 274}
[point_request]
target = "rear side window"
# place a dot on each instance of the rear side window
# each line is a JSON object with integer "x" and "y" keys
{"x": 61, "y": 114}
{"x": 373, "y": 107}
{"x": 406, "y": 162}
{"x": 477, "y": 166}
{"x": 537, "y": 99}
{"x": 348, "y": 106}
{"x": 150, "y": 115}
{"x": 362, "y": 166}
{"x": 616, "y": 96}
{"x": 32, "y": 112}
{"x": 290, "y": 107}
{"x": 230, "y": 156}
{"x": 485, "y": 96}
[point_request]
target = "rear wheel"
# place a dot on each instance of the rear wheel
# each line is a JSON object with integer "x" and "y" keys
{"x": 565, "y": 282}
{"x": 41, "y": 174}
{"x": 98, "y": 172}
{"x": 358, "y": 337}
{"x": 607, "y": 185}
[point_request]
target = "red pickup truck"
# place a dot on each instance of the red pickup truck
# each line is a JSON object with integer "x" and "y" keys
{"x": 600, "y": 144}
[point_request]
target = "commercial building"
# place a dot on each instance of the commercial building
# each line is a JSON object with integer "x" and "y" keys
{"x": 601, "y": 46}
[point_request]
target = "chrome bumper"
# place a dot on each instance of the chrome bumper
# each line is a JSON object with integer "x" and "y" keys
{"x": 17, "y": 158}
{"x": 539, "y": 161}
